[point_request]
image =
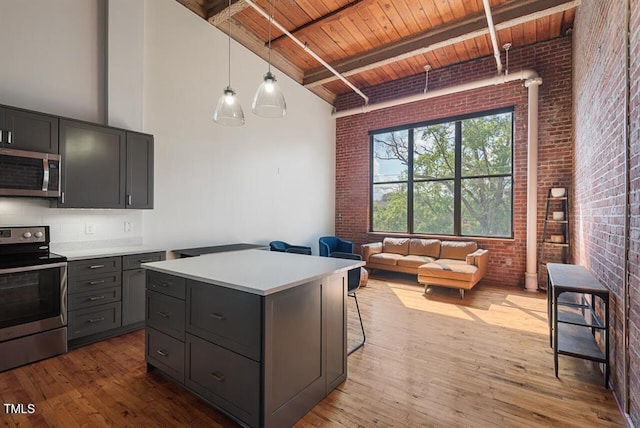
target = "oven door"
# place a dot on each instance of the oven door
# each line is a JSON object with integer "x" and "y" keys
{"x": 32, "y": 299}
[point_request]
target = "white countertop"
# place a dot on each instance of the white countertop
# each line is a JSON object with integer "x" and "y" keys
{"x": 92, "y": 253}
{"x": 254, "y": 271}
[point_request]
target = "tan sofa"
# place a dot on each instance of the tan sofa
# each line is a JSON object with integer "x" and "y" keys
{"x": 456, "y": 264}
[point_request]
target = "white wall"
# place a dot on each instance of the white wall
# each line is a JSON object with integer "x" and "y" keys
{"x": 53, "y": 57}
{"x": 271, "y": 179}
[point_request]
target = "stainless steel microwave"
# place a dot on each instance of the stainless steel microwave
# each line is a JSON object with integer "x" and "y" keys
{"x": 25, "y": 173}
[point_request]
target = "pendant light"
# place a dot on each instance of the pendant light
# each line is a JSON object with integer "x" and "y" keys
{"x": 269, "y": 100}
{"x": 228, "y": 110}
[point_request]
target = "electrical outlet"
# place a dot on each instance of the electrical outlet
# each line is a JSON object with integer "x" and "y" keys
{"x": 89, "y": 228}
{"x": 128, "y": 226}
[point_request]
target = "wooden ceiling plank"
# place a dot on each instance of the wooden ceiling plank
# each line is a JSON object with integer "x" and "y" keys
{"x": 517, "y": 35}
{"x": 504, "y": 17}
{"x": 555, "y": 25}
{"x": 338, "y": 12}
{"x": 397, "y": 20}
{"x": 380, "y": 20}
{"x": 444, "y": 10}
{"x": 361, "y": 39}
{"x": 529, "y": 32}
{"x": 406, "y": 13}
{"x": 432, "y": 14}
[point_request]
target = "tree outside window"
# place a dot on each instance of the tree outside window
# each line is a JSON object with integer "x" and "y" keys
{"x": 452, "y": 177}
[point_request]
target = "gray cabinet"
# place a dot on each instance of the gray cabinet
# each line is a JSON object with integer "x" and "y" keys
{"x": 28, "y": 130}
{"x": 106, "y": 296}
{"x": 93, "y": 300}
{"x": 165, "y": 329}
{"x": 264, "y": 360}
{"x": 139, "y": 177}
{"x": 133, "y": 286}
{"x": 93, "y": 165}
{"x": 104, "y": 167}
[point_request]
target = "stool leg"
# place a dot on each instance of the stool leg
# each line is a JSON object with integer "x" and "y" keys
{"x": 364, "y": 338}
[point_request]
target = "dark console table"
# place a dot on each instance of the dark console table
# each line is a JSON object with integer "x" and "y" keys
{"x": 193, "y": 252}
{"x": 573, "y": 321}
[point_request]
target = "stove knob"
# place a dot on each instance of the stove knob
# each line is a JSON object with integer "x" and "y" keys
{"x": 39, "y": 234}
{"x": 26, "y": 235}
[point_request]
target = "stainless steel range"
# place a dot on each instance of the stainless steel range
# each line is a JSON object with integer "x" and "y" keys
{"x": 33, "y": 297}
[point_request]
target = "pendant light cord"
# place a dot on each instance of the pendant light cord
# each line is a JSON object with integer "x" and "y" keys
{"x": 270, "y": 19}
{"x": 229, "y": 41}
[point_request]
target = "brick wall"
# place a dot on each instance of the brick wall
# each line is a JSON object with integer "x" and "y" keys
{"x": 600, "y": 171}
{"x": 552, "y": 61}
{"x": 634, "y": 254}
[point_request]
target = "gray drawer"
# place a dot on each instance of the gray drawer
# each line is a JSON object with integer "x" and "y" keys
{"x": 166, "y": 284}
{"x": 165, "y": 353}
{"x": 166, "y": 314}
{"x": 224, "y": 377}
{"x": 93, "y": 282}
{"x": 227, "y": 317}
{"x": 83, "y": 322}
{"x": 95, "y": 266}
{"x": 133, "y": 261}
{"x": 91, "y": 298}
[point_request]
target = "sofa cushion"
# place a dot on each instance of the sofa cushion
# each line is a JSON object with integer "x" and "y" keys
{"x": 413, "y": 261}
{"x": 396, "y": 246}
{"x": 425, "y": 247}
{"x": 450, "y": 269}
{"x": 456, "y": 250}
{"x": 385, "y": 258}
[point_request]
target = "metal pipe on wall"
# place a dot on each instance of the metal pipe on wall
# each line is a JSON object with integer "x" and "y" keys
{"x": 531, "y": 275}
{"x": 492, "y": 33}
{"x": 491, "y": 81}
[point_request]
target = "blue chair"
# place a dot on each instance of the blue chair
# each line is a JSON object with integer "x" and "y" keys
{"x": 285, "y": 247}
{"x": 331, "y": 244}
{"x": 354, "y": 280}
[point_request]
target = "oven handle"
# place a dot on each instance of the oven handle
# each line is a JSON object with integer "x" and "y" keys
{"x": 32, "y": 268}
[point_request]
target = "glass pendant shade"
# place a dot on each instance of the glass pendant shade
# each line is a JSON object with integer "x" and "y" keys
{"x": 269, "y": 100}
{"x": 228, "y": 110}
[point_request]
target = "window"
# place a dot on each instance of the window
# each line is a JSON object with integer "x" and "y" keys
{"x": 451, "y": 177}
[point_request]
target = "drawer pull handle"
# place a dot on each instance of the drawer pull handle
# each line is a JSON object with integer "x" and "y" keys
{"x": 145, "y": 260}
{"x": 218, "y": 316}
{"x": 163, "y": 314}
{"x": 95, "y": 320}
{"x": 218, "y": 377}
{"x": 162, "y": 284}
{"x": 162, "y": 352}
{"x": 93, "y": 299}
{"x": 96, "y": 266}
{"x": 101, "y": 281}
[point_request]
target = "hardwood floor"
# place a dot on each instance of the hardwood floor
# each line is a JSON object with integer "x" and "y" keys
{"x": 428, "y": 361}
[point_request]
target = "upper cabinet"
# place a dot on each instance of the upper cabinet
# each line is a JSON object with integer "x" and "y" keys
{"x": 104, "y": 167}
{"x": 27, "y": 130}
{"x": 139, "y": 179}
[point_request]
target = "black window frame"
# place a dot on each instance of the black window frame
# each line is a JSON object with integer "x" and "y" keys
{"x": 410, "y": 182}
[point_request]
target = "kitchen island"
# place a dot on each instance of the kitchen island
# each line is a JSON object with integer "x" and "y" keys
{"x": 260, "y": 335}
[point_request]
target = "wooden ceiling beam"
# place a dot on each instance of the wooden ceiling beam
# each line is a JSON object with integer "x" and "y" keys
{"x": 508, "y": 15}
{"x": 194, "y": 7}
{"x": 220, "y": 12}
